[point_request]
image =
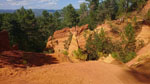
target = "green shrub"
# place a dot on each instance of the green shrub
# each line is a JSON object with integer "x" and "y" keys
{"x": 147, "y": 17}
{"x": 128, "y": 38}
{"x": 24, "y": 62}
{"x": 101, "y": 54}
{"x": 98, "y": 42}
{"x": 134, "y": 20}
{"x": 99, "y": 45}
{"x": 80, "y": 55}
{"x": 124, "y": 56}
{"x": 129, "y": 33}
{"x": 140, "y": 4}
{"x": 65, "y": 53}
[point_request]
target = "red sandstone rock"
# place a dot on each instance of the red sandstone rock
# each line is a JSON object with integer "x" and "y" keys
{"x": 4, "y": 41}
{"x": 61, "y": 35}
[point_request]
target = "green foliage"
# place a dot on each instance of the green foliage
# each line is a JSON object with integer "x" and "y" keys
{"x": 25, "y": 29}
{"x": 124, "y": 56}
{"x": 92, "y": 18}
{"x": 57, "y": 20}
{"x": 126, "y": 49}
{"x": 25, "y": 62}
{"x": 98, "y": 43}
{"x": 80, "y": 55}
{"x": 83, "y": 10}
{"x": 135, "y": 20}
{"x": 121, "y": 6}
{"x": 83, "y": 14}
{"x": 147, "y": 16}
{"x": 101, "y": 54}
{"x": 129, "y": 33}
{"x": 138, "y": 4}
{"x": 99, "y": 11}
{"x": 28, "y": 31}
{"x": 70, "y": 16}
{"x": 130, "y": 38}
{"x": 65, "y": 53}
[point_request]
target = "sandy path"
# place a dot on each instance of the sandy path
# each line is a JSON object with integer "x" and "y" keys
{"x": 74, "y": 73}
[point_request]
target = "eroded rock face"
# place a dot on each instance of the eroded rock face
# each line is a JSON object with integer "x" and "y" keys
{"x": 144, "y": 34}
{"x": 146, "y": 8}
{"x": 4, "y": 41}
{"x": 57, "y": 42}
{"x": 141, "y": 63}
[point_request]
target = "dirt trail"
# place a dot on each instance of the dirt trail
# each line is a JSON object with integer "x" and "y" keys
{"x": 73, "y": 73}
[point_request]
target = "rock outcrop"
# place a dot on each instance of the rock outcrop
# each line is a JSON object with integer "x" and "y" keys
{"x": 146, "y": 8}
{"x": 4, "y": 41}
{"x": 144, "y": 34}
{"x": 57, "y": 41}
{"x": 141, "y": 63}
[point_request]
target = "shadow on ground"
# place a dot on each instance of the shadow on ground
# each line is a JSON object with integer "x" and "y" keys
{"x": 140, "y": 77}
{"x": 23, "y": 59}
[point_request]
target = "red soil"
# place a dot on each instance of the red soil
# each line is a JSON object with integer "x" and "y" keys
{"x": 72, "y": 73}
{"x": 23, "y": 59}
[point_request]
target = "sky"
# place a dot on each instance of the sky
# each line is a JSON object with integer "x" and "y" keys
{"x": 39, "y": 4}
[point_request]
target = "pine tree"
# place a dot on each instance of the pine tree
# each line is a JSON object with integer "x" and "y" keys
{"x": 83, "y": 13}
{"x": 93, "y": 6}
{"x": 70, "y": 16}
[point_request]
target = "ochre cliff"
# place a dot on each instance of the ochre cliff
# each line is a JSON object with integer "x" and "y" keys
{"x": 57, "y": 41}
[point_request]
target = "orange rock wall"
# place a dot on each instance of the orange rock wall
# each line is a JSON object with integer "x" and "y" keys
{"x": 57, "y": 41}
{"x": 4, "y": 41}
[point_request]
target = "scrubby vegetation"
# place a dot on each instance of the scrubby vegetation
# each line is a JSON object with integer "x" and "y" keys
{"x": 147, "y": 16}
{"x": 65, "y": 53}
{"x": 99, "y": 44}
{"x": 79, "y": 54}
{"x": 31, "y": 32}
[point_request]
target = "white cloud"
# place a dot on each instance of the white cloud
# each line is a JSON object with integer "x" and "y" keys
{"x": 9, "y": 0}
{"x": 29, "y": 3}
{"x": 81, "y": 1}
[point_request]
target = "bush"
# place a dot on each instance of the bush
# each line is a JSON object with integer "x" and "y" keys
{"x": 128, "y": 38}
{"x": 140, "y": 4}
{"x": 124, "y": 56}
{"x": 98, "y": 42}
{"x": 65, "y": 53}
{"x": 134, "y": 20}
{"x": 80, "y": 55}
{"x": 147, "y": 17}
{"x": 99, "y": 45}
